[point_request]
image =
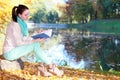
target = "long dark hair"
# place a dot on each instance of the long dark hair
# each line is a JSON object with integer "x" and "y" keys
{"x": 18, "y": 10}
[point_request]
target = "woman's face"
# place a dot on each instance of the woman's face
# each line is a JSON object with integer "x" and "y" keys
{"x": 24, "y": 15}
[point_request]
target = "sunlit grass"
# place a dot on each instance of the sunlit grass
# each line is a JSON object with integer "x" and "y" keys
{"x": 102, "y": 26}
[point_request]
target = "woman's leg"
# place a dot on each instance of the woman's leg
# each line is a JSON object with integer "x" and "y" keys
{"x": 40, "y": 54}
{"x": 26, "y": 49}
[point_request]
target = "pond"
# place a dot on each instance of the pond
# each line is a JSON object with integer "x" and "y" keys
{"x": 95, "y": 49}
{"x": 84, "y": 50}
{"x": 91, "y": 51}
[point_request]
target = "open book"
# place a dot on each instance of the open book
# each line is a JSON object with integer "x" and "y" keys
{"x": 44, "y": 34}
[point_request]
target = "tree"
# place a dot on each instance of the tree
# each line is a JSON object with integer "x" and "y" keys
{"x": 44, "y": 11}
{"x": 82, "y": 11}
{"x": 39, "y": 16}
{"x": 79, "y": 10}
{"x": 109, "y": 8}
{"x": 52, "y": 17}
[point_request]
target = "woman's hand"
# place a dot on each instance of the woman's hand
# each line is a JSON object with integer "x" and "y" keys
{"x": 39, "y": 31}
{"x": 39, "y": 40}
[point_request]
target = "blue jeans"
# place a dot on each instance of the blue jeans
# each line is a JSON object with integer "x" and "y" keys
{"x": 23, "y": 50}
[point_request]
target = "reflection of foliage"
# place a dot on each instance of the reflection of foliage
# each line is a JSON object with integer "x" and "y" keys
{"x": 54, "y": 40}
{"x": 95, "y": 49}
{"x": 109, "y": 52}
{"x": 105, "y": 48}
{"x": 82, "y": 47}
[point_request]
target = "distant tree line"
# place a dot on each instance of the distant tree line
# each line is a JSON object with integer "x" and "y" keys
{"x": 41, "y": 14}
{"x": 84, "y": 10}
{"x": 77, "y": 11}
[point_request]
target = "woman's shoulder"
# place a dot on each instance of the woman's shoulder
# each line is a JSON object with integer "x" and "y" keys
{"x": 12, "y": 23}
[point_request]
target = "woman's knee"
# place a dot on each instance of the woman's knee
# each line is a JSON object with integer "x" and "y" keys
{"x": 37, "y": 44}
{"x": 8, "y": 57}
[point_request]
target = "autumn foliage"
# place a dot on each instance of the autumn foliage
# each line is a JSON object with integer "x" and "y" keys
{"x": 5, "y": 11}
{"x": 30, "y": 73}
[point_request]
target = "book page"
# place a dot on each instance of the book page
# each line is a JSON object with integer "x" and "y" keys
{"x": 48, "y": 32}
{"x": 44, "y": 34}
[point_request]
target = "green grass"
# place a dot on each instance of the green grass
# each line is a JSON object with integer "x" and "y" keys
{"x": 103, "y": 26}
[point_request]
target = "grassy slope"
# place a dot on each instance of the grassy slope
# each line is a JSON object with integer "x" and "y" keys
{"x": 105, "y": 26}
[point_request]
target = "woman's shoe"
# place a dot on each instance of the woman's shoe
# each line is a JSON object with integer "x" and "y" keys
{"x": 42, "y": 70}
{"x": 52, "y": 68}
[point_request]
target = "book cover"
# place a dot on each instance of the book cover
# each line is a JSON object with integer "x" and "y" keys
{"x": 44, "y": 34}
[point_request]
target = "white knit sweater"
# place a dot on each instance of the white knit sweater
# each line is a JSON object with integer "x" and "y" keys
{"x": 14, "y": 37}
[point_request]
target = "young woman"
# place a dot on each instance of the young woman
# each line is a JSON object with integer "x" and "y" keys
{"x": 17, "y": 42}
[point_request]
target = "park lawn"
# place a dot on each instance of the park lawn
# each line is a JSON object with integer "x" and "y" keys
{"x": 105, "y": 26}
{"x": 102, "y": 26}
